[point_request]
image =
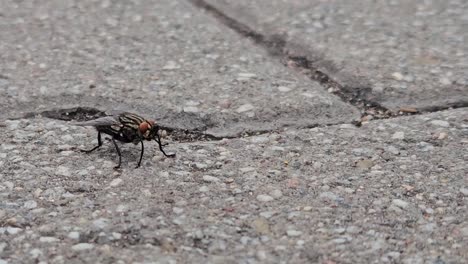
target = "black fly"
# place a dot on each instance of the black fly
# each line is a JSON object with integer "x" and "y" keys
{"x": 127, "y": 128}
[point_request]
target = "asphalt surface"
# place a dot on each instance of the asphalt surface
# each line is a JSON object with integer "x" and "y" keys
{"x": 305, "y": 132}
{"x": 398, "y": 53}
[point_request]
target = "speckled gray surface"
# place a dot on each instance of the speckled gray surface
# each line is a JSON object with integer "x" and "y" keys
{"x": 165, "y": 55}
{"x": 410, "y": 53}
{"x": 391, "y": 191}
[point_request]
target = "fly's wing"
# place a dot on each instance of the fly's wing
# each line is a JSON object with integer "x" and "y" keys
{"x": 102, "y": 121}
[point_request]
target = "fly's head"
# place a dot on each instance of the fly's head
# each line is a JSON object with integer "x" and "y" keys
{"x": 148, "y": 129}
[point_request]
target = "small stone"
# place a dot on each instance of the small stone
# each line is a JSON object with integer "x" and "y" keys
{"x": 48, "y": 239}
{"x": 177, "y": 210}
{"x": 13, "y": 230}
{"x": 108, "y": 164}
{"x": 353, "y": 229}
{"x": 362, "y": 151}
{"x": 8, "y": 147}
{"x": 293, "y": 183}
{"x": 267, "y": 214}
{"x": 429, "y": 211}
{"x": 246, "y": 75}
{"x": 400, "y": 203}
{"x": 259, "y": 139}
{"x": 464, "y": 191}
{"x": 67, "y": 138}
{"x": 247, "y": 169}
{"x": 261, "y": 226}
{"x": 397, "y": 76}
{"x": 328, "y": 196}
{"x": 192, "y": 103}
{"x": 425, "y": 146}
{"x": 307, "y": 208}
{"x": 339, "y": 240}
{"x": 200, "y": 166}
{"x": 116, "y": 235}
{"x": 10, "y": 185}
{"x": 208, "y": 178}
{"x": 100, "y": 223}
{"x": 204, "y": 189}
{"x": 264, "y": 198}
{"x": 245, "y": 108}
{"x": 440, "y": 123}
{"x": 277, "y": 148}
{"x": 276, "y": 194}
{"x": 398, "y": 135}
{"x": 63, "y": 171}
{"x": 171, "y": 65}
{"x": 284, "y": 89}
{"x": 191, "y": 109}
{"x": 30, "y": 204}
{"x": 293, "y": 233}
{"x": 339, "y": 230}
{"x": 178, "y": 221}
{"x": 225, "y": 104}
{"x": 116, "y": 182}
{"x": 229, "y": 180}
{"x": 74, "y": 235}
{"x": 445, "y": 81}
{"x": 393, "y": 150}
{"x": 442, "y": 136}
{"x": 394, "y": 254}
{"x": 3, "y": 245}
{"x": 82, "y": 246}
{"x": 261, "y": 255}
{"x": 35, "y": 253}
{"x": 121, "y": 208}
{"x": 429, "y": 228}
{"x": 245, "y": 240}
{"x": 12, "y": 124}
{"x": 365, "y": 164}
{"x": 463, "y": 232}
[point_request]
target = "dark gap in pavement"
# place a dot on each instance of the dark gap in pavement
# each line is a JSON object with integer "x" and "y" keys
{"x": 276, "y": 47}
{"x": 81, "y": 114}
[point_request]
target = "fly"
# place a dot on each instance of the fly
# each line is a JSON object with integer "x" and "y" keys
{"x": 127, "y": 128}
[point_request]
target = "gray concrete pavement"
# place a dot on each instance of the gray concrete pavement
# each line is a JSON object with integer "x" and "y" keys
{"x": 411, "y": 54}
{"x": 389, "y": 191}
{"x": 165, "y": 55}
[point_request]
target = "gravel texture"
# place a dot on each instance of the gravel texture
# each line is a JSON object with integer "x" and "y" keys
{"x": 337, "y": 194}
{"x": 400, "y": 54}
{"x": 165, "y": 58}
{"x": 285, "y": 176}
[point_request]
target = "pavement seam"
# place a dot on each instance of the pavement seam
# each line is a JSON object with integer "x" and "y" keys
{"x": 84, "y": 113}
{"x": 276, "y": 46}
{"x": 90, "y": 113}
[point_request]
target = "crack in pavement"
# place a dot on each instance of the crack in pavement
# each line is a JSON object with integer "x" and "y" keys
{"x": 275, "y": 44}
{"x": 85, "y": 113}
{"x": 89, "y": 113}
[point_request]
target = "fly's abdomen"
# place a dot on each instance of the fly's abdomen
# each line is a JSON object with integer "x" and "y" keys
{"x": 110, "y": 130}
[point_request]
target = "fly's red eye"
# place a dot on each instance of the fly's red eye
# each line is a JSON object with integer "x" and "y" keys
{"x": 143, "y": 127}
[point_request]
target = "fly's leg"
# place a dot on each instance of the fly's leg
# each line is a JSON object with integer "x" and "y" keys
{"x": 158, "y": 139}
{"x": 118, "y": 152}
{"x": 96, "y": 147}
{"x": 141, "y": 154}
